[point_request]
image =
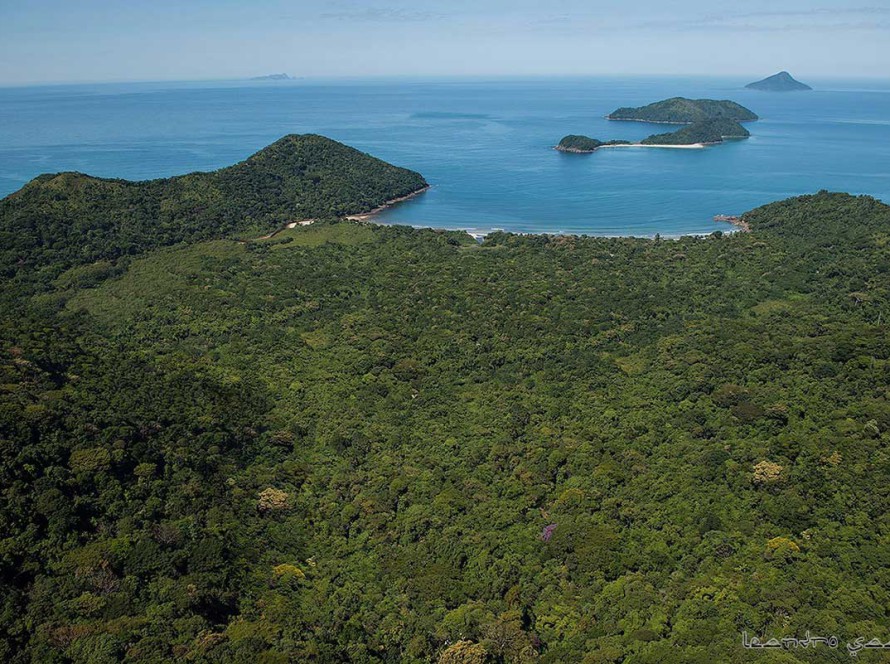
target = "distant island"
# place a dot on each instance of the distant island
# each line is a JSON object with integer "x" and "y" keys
{"x": 781, "y": 82}
{"x": 272, "y": 77}
{"x": 679, "y": 110}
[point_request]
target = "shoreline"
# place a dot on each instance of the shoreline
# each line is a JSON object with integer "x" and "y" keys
{"x": 739, "y": 222}
{"x": 480, "y": 234}
{"x": 670, "y": 146}
{"x": 688, "y": 146}
{"x": 665, "y": 122}
{"x": 365, "y": 216}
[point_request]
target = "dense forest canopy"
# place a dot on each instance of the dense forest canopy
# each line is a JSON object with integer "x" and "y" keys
{"x": 66, "y": 219}
{"x": 679, "y": 110}
{"x": 356, "y": 443}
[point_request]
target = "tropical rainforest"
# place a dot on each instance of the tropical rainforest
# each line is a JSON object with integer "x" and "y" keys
{"x": 357, "y": 443}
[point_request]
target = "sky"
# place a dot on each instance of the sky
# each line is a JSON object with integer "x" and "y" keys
{"x": 59, "y": 41}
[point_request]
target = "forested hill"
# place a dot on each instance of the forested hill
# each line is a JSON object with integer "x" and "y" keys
{"x": 67, "y": 219}
{"x": 368, "y": 444}
{"x": 825, "y": 219}
{"x": 679, "y": 110}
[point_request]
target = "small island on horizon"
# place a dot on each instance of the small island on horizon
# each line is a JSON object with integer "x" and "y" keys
{"x": 273, "y": 77}
{"x": 781, "y": 82}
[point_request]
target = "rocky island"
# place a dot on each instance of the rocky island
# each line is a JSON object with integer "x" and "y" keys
{"x": 679, "y": 110}
{"x": 781, "y": 82}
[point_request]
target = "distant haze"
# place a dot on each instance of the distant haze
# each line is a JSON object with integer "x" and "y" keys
{"x": 99, "y": 40}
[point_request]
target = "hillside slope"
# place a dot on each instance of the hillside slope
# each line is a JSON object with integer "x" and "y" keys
{"x": 67, "y": 219}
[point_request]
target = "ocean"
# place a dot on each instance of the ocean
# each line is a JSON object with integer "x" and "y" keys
{"x": 484, "y": 145}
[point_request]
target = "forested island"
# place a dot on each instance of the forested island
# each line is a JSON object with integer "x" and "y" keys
{"x": 379, "y": 444}
{"x": 781, "y": 82}
{"x": 679, "y": 110}
{"x": 708, "y": 122}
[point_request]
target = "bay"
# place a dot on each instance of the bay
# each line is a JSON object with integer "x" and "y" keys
{"x": 484, "y": 144}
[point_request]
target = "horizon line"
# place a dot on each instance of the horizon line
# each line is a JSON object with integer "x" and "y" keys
{"x": 425, "y": 77}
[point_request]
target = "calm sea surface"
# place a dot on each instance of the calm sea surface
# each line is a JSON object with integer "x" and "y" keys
{"x": 485, "y": 145}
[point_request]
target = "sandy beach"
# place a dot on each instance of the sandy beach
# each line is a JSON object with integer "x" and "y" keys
{"x": 365, "y": 216}
{"x": 691, "y": 146}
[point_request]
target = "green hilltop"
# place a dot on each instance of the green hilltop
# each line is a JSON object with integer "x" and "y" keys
{"x": 679, "y": 110}
{"x": 66, "y": 219}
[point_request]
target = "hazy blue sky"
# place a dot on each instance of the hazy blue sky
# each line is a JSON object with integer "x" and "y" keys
{"x": 96, "y": 40}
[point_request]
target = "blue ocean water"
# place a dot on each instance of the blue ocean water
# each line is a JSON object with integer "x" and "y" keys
{"x": 485, "y": 145}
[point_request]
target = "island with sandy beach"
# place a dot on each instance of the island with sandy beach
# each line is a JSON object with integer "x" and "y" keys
{"x": 365, "y": 216}
{"x": 704, "y": 122}
{"x": 695, "y": 135}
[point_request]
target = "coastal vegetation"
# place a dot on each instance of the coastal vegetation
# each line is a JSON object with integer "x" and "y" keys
{"x": 707, "y": 132}
{"x": 781, "y": 82}
{"x": 679, "y": 110}
{"x": 359, "y": 443}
